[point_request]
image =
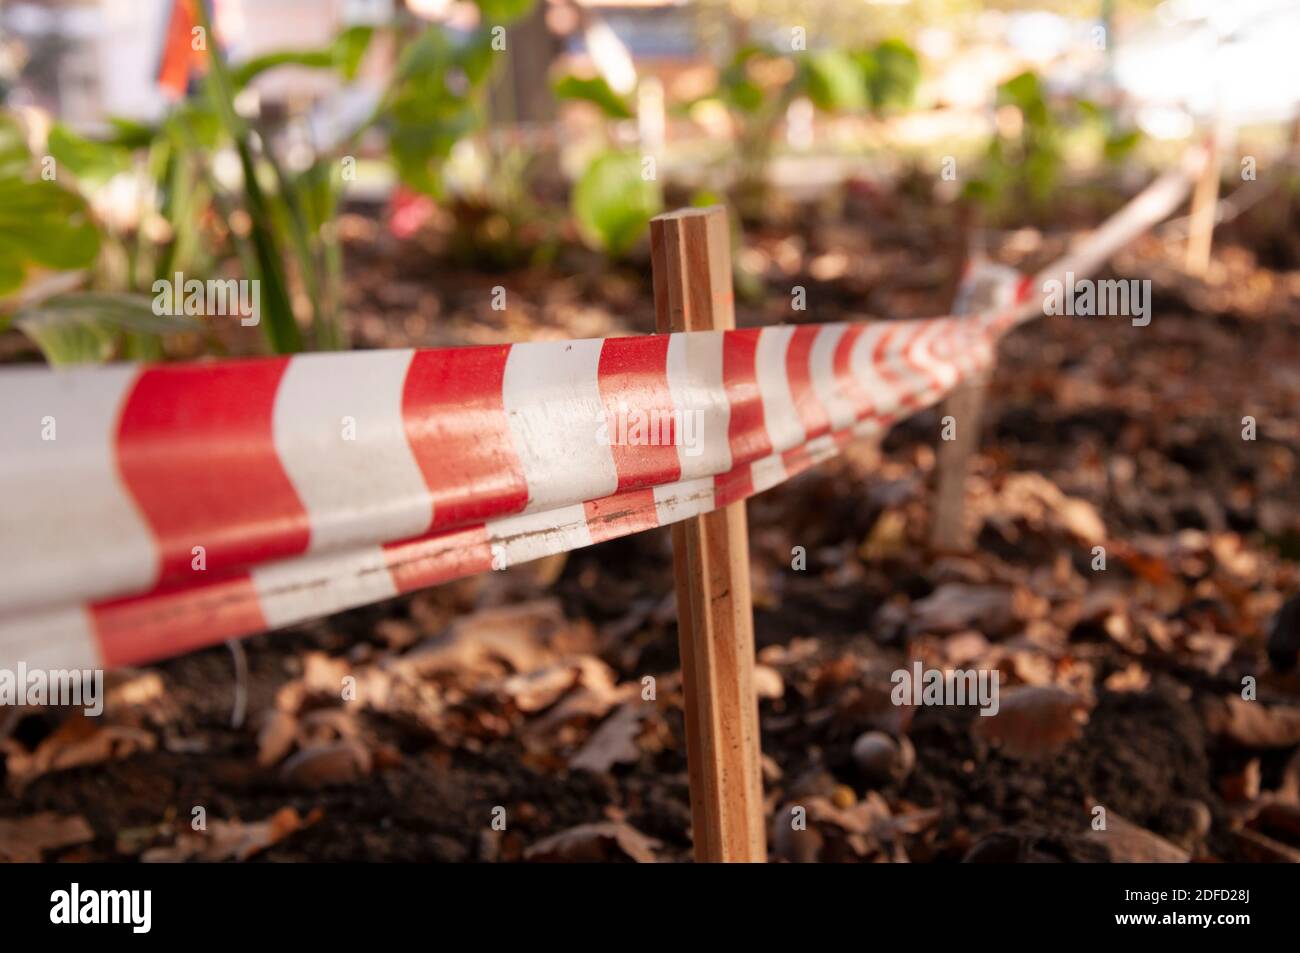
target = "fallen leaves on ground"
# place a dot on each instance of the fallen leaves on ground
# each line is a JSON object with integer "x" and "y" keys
{"x": 25, "y": 839}
{"x": 593, "y": 843}
{"x": 232, "y": 839}
{"x": 1253, "y": 724}
{"x": 1034, "y": 721}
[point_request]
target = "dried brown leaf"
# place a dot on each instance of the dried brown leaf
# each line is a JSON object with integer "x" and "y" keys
{"x": 1033, "y": 721}
{"x": 593, "y": 843}
{"x": 1253, "y": 724}
{"x": 24, "y": 839}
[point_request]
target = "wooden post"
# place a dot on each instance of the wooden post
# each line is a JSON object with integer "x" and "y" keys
{"x": 1205, "y": 200}
{"x": 691, "y": 252}
{"x": 965, "y": 405}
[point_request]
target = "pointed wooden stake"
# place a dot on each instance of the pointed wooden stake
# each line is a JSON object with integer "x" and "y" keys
{"x": 1205, "y": 201}
{"x": 966, "y": 407}
{"x": 691, "y": 251}
{"x": 965, "y": 404}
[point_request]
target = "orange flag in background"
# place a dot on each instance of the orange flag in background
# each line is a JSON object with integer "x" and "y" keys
{"x": 180, "y": 57}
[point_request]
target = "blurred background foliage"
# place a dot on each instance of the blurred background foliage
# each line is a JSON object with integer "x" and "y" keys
{"x": 216, "y": 188}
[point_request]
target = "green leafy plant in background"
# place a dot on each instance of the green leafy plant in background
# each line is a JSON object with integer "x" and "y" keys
{"x": 1021, "y": 171}
{"x": 94, "y": 327}
{"x": 278, "y": 221}
{"x": 613, "y": 200}
{"x": 47, "y": 238}
{"x": 434, "y": 101}
{"x": 892, "y": 72}
{"x": 439, "y": 99}
{"x": 437, "y": 95}
{"x": 43, "y": 226}
{"x": 302, "y": 203}
{"x": 758, "y": 85}
{"x": 594, "y": 90}
{"x": 162, "y": 231}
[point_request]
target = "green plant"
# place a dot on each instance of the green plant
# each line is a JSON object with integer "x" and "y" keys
{"x": 162, "y": 233}
{"x": 758, "y": 85}
{"x": 1022, "y": 169}
{"x": 42, "y": 224}
{"x": 277, "y": 220}
{"x": 613, "y": 199}
{"x": 94, "y": 328}
{"x": 48, "y": 238}
{"x": 892, "y": 72}
{"x": 437, "y": 96}
{"x": 594, "y": 90}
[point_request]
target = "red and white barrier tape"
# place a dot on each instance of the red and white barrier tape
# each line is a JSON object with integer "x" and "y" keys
{"x": 150, "y": 511}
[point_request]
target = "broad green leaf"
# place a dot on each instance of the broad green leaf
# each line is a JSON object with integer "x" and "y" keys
{"x": 1120, "y": 144}
{"x": 87, "y": 158}
{"x": 344, "y": 54}
{"x": 734, "y": 84}
{"x": 613, "y": 203}
{"x": 504, "y": 11}
{"x": 894, "y": 75}
{"x": 92, "y": 328}
{"x": 475, "y": 56}
{"x": 434, "y": 102}
{"x": 834, "y": 81}
{"x": 130, "y": 134}
{"x": 42, "y": 224}
{"x": 1025, "y": 92}
{"x": 596, "y": 91}
{"x": 15, "y": 159}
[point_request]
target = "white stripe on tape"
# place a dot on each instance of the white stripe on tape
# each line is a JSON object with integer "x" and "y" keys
{"x": 695, "y": 383}
{"x": 821, "y": 368}
{"x": 56, "y": 639}
{"x": 340, "y": 436}
{"x": 68, "y": 529}
{"x": 884, "y": 393}
{"x": 552, "y": 400}
{"x": 767, "y": 472}
{"x": 683, "y": 499}
{"x": 784, "y": 427}
{"x": 313, "y": 586}
{"x": 517, "y": 539}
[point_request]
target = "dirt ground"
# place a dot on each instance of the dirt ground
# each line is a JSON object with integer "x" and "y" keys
{"x": 526, "y": 690}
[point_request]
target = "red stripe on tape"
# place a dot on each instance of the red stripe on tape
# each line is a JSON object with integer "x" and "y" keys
{"x": 849, "y": 386}
{"x": 811, "y": 412}
{"x": 733, "y": 486}
{"x": 196, "y": 450}
{"x": 633, "y": 380}
{"x": 417, "y": 563}
{"x": 747, "y": 428}
{"x": 621, "y": 515}
{"x": 161, "y": 624}
{"x": 457, "y": 428}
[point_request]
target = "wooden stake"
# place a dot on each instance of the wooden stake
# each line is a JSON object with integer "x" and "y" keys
{"x": 966, "y": 406}
{"x": 1205, "y": 199}
{"x": 691, "y": 252}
